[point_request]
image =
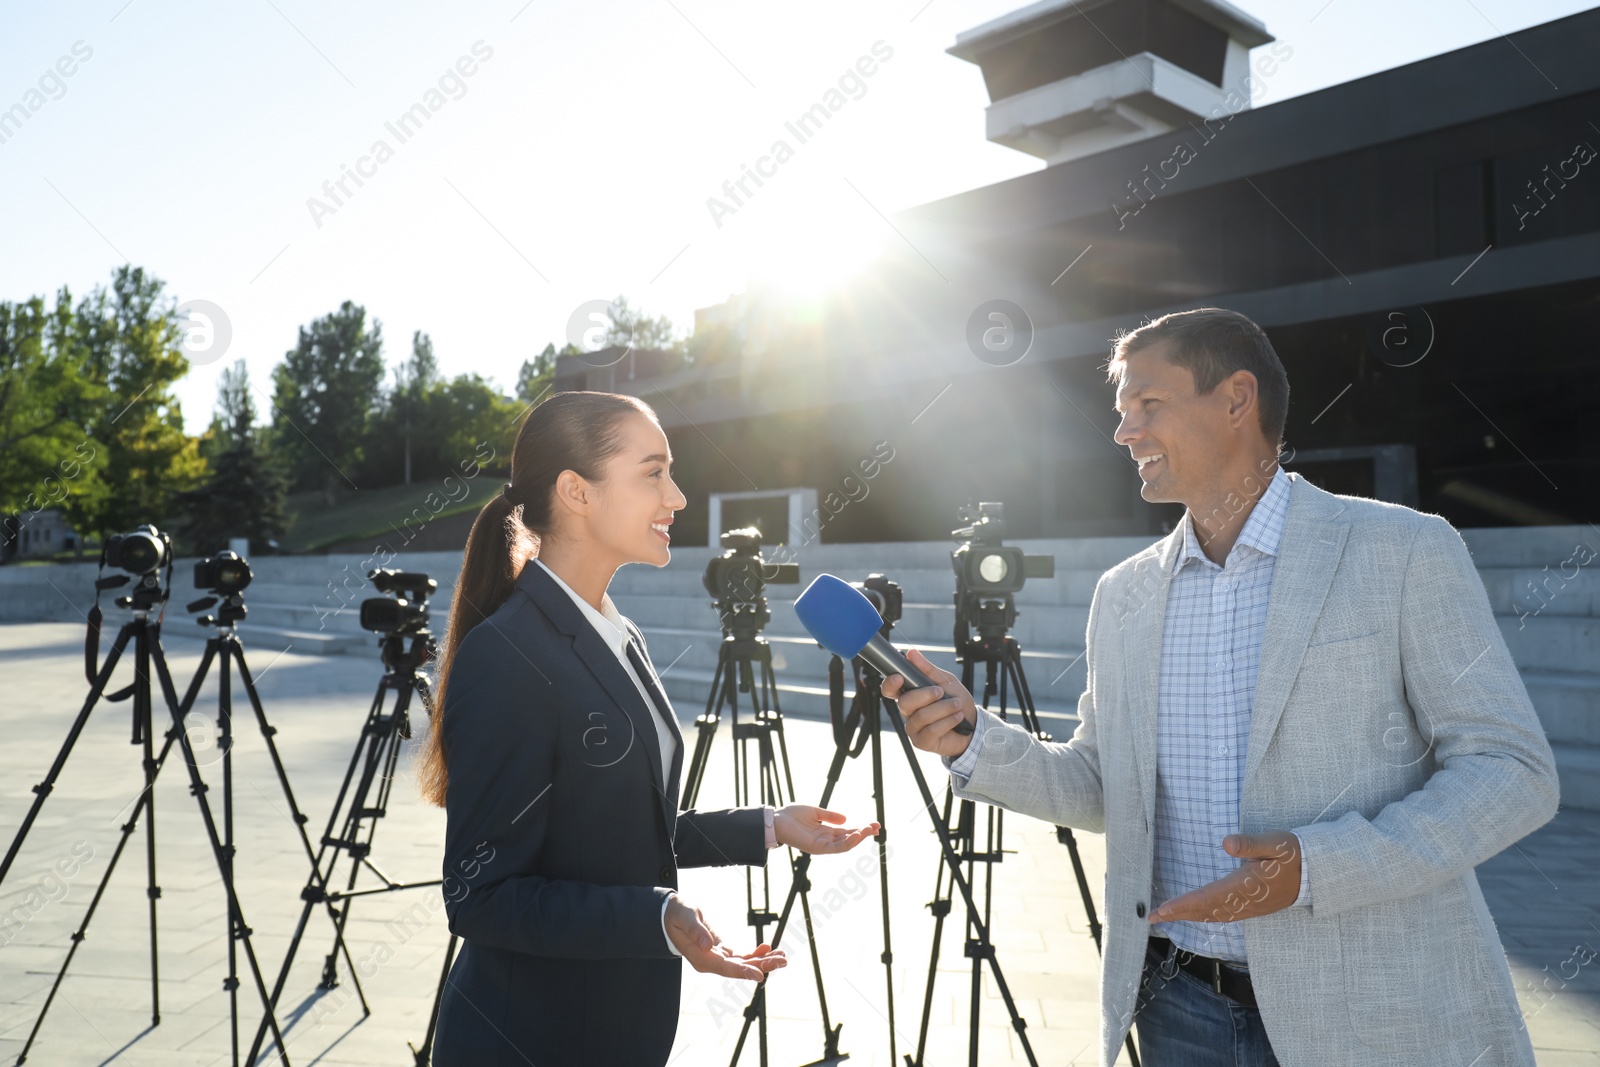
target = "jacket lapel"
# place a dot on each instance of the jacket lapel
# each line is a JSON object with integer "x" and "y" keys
{"x": 1308, "y": 555}
{"x": 607, "y": 670}
{"x": 1140, "y": 610}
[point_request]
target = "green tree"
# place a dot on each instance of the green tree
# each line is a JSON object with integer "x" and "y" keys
{"x": 464, "y": 414}
{"x": 235, "y": 405}
{"x": 630, "y": 325}
{"x": 47, "y": 400}
{"x": 412, "y": 381}
{"x": 325, "y": 393}
{"x": 244, "y": 496}
{"x": 128, "y": 338}
{"x": 537, "y": 373}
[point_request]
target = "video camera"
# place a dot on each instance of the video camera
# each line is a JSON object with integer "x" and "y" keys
{"x": 405, "y": 612}
{"x": 989, "y": 573}
{"x": 141, "y": 554}
{"x": 738, "y": 579}
{"x": 225, "y": 576}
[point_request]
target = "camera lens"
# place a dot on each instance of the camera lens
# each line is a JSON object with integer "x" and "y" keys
{"x": 233, "y": 574}
{"x": 139, "y": 552}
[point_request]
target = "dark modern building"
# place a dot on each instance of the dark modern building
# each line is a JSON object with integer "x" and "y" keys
{"x": 1422, "y": 245}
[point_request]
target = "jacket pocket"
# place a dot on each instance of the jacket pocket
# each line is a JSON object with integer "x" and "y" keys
{"x": 1339, "y": 639}
{"x": 1411, "y": 970}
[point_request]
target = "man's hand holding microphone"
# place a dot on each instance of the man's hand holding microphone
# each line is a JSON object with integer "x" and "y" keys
{"x": 932, "y": 713}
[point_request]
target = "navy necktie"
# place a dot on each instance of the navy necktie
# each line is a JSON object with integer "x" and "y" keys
{"x": 649, "y": 679}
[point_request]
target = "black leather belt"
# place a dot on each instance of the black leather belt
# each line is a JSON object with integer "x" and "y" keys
{"x": 1221, "y": 977}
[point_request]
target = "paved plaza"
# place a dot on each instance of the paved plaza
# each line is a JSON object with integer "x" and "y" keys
{"x": 1543, "y": 893}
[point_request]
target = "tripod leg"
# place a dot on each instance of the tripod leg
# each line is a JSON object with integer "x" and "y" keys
{"x": 801, "y": 868}
{"x": 952, "y": 861}
{"x": 1013, "y": 668}
{"x": 940, "y": 906}
{"x": 776, "y": 758}
{"x": 268, "y": 732}
{"x": 977, "y": 948}
{"x": 382, "y": 758}
{"x": 424, "y": 1054}
{"x": 323, "y": 866}
{"x": 44, "y": 788}
{"x": 141, "y": 711}
{"x": 706, "y": 731}
{"x": 82, "y": 932}
{"x": 876, "y": 740}
{"x": 237, "y": 927}
{"x": 225, "y": 740}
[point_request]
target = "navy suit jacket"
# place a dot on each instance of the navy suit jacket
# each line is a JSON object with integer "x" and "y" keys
{"x": 561, "y": 843}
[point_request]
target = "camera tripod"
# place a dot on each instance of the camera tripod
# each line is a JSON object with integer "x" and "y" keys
{"x": 376, "y": 754}
{"x": 145, "y": 634}
{"x": 1001, "y": 655}
{"x": 742, "y": 650}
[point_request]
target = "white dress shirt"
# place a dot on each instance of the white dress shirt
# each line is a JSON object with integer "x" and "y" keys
{"x": 613, "y": 629}
{"x": 609, "y": 624}
{"x": 1211, "y": 647}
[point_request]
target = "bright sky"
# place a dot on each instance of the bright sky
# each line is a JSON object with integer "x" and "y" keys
{"x": 572, "y": 164}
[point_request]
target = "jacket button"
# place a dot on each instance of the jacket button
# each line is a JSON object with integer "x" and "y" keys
{"x": 666, "y": 876}
{"x": 1138, "y": 909}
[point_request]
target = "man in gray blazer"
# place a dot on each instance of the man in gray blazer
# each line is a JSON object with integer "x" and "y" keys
{"x": 1302, "y": 731}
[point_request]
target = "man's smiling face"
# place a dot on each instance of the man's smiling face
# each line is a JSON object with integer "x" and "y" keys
{"x": 1175, "y": 435}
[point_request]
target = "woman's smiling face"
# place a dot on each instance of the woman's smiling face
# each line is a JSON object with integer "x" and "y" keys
{"x": 638, "y": 496}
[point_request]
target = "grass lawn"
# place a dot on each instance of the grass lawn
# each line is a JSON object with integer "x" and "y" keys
{"x": 366, "y": 513}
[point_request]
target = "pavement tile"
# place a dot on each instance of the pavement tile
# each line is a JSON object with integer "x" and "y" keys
{"x": 1543, "y": 894}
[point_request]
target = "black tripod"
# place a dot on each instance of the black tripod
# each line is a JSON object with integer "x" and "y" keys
{"x": 371, "y": 772}
{"x": 1000, "y": 654}
{"x": 869, "y": 683}
{"x": 145, "y": 633}
{"x": 742, "y": 650}
{"x": 853, "y": 731}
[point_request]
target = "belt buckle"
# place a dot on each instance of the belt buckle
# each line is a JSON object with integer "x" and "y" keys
{"x": 1216, "y": 976}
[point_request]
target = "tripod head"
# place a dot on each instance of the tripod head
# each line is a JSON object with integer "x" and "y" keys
{"x": 886, "y": 596}
{"x": 853, "y": 728}
{"x": 406, "y": 661}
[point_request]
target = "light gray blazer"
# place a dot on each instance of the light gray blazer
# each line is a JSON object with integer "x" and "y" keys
{"x": 1390, "y": 729}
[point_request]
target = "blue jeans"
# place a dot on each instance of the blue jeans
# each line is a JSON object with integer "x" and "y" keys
{"x": 1182, "y": 1022}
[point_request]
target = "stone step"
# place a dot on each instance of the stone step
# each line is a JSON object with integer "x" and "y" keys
{"x": 1532, "y": 546}
{"x": 1551, "y": 589}
{"x": 1568, "y": 703}
{"x": 1057, "y": 674}
{"x": 1553, "y": 642}
{"x": 261, "y": 640}
{"x": 929, "y": 584}
{"x": 691, "y": 690}
{"x": 1579, "y": 769}
{"x": 1037, "y": 625}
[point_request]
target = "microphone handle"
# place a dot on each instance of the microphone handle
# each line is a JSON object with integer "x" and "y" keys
{"x": 886, "y": 660}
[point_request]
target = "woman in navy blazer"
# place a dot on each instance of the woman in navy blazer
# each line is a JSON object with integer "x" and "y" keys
{"x": 558, "y": 766}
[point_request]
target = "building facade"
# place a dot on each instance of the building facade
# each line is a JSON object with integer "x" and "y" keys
{"x": 1422, "y": 246}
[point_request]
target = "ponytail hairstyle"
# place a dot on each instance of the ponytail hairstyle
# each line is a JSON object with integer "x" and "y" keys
{"x": 577, "y": 431}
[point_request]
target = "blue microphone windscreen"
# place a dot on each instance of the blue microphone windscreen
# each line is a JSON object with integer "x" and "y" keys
{"x": 838, "y": 615}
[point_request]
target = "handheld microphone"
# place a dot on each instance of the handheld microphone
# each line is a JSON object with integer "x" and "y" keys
{"x": 845, "y": 623}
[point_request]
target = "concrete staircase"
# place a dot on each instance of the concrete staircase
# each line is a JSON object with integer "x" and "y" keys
{"x": 1541, "y": 583}
{"x": 1543, "y": 587}
{"x": 310, "y": 604}
{"x": 677, "y": 616}
{"x": 1553, "y": 634}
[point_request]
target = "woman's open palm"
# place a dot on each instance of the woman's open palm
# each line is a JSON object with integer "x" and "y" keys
{"x": 809, "y": 829}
